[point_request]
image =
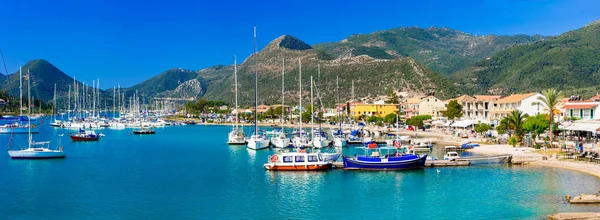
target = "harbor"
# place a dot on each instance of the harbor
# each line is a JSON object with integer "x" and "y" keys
{"x": 214, "y": 173}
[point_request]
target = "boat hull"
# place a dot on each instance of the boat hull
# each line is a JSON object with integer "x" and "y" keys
{"x": 314, "y": 167}
{"x": 258, "y": 144}
{"x": 320, "y": 142}
{"x": 76, "y": 138}
{"x": 339, "y": 142}
{"x": 330, "y": 156}
{"x": 354, "y": 164}
{"x": 19, "y": 130}
{"x": 17, "y": 154}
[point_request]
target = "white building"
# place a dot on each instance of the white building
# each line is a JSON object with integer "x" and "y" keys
{"x": 528, "y": 103}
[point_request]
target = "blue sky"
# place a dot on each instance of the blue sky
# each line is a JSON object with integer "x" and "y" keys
{"x": 126, "y": 42}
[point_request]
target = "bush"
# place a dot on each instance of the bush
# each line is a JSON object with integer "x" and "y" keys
{"x": 513, "y": 141}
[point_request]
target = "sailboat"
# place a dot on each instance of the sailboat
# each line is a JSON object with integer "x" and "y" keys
{"x": 55, "y": 122}
{"x": 35, "y": 150}
{"x": 300, "y": 138}
{"x": 339, "y": 138}
{"x": 237, "y": 135}
{"x": 17, "y": 125}
{"x": 142, "y": 130}
{"x": 258, "y": 140}
{"x": 319, "y": 136}
{"x": 280, "y": 139}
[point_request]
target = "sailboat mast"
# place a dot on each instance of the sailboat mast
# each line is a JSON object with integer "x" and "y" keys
{"x": 29, "y": 106}
{"x": 114, "y": 99}
{"x": 337, "y": 86}
{"x": 282, "y": 92}
{"x": 236, "y": 91}
{"x": 312, "y": 109}
{"x": 300, "y": 94}
{"x": 68, "y": 102}
{"x": 54, "y": 107}
{"x": 20, "y": 92}
{"x": 319, "y": 91}
{"x": 255, "y": 87}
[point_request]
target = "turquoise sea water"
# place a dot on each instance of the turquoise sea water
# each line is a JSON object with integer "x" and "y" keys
{"x": 188, "y": 172}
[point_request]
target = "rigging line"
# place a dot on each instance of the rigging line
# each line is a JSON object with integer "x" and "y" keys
{"x": 8, "y": 94}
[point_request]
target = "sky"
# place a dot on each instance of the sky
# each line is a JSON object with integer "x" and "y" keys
{"x": 126, "y": 42}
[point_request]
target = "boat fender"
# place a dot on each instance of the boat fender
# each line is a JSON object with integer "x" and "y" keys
{"x": 274, "y": 158}
{"x": 61, "y": 148}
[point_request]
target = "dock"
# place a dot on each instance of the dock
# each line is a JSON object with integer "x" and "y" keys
{"x": 429, "y": 163}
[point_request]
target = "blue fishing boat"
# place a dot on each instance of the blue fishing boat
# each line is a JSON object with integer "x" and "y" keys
{"x": 376, "y": 161}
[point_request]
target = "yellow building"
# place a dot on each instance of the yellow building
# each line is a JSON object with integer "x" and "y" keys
{"x": 380, "y": 110}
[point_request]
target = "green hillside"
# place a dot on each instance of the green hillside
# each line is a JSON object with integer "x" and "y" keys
{"x": 567, "y": 62}
{"x": 44, "y": 76}
{"x": 443, "y": 50}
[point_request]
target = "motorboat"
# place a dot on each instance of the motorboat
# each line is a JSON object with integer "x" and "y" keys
{"x": 85, "y": 136}
{"x": 451, "y": 153}
{"x": 144, "y": 131}
{"x": 298, "y": 161}
{"x": 378, "y": 161}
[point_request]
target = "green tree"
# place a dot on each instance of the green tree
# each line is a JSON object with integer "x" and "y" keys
{"x": 515, "y": 120}
{"x": 482, "y": 127}
{"x": 392, "y": 97}
{"x": 536, "y": 125}
{"x": 390, "y": 118}
{"x": 453, "y": 110}
{"x": 550, "y": 99}
{"x": 306, "y": 117}
{"x": 372, "y": 119}
{"x": 418, "y": 120}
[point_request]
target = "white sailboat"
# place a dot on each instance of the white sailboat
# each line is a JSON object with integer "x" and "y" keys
{"x": 280, "y": 139}
{"x": 258, "y": 140}
{"x": 55, "y": 122}
{"x": 18, "y": 126}
{"x": 339, "y": 138}
{"x": 237, "y": 135}
{"x": 300, "y": 138}
{"x": 319, "y": 139}
{"x": 35, "y": 150}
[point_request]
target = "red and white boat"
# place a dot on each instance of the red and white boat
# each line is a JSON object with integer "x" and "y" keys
{"x": 85, "y": 136}
{"x": 298, "y": 161}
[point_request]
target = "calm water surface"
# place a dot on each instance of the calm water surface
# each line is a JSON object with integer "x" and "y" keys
{"x": 189, "y": 172}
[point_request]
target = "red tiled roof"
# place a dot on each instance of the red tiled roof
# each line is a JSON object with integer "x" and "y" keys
{"x": 579, "y": 105}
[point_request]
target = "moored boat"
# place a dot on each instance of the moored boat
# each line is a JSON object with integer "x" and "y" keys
{"x": 37, "y": 151}
{"x": 298, "y": 161}
{"x": 85, "y": 136}
{"x": 376, "y": 161}
{"x": 144, "y": 131}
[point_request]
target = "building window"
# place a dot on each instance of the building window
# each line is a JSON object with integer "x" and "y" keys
{"x": 591, "y": 113}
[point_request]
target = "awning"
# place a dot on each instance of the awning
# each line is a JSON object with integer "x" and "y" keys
{"x": 583, "y": 126}
{"x": 462, "y": 124}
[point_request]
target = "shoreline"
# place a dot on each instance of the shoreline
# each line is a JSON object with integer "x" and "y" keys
{"x": 579, "y": 166}
{"x": 484, "y": 149}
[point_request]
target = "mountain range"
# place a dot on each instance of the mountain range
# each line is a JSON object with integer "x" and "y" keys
{"x": 409, "y": 61}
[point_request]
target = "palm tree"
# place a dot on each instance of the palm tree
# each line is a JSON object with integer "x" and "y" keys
{"x": 550, "y": 99}
{"x": 515, "y": 120}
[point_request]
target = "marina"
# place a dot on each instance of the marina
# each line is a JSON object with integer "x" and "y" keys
{"x": 109, "y": 173}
